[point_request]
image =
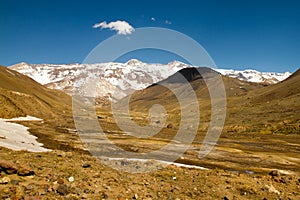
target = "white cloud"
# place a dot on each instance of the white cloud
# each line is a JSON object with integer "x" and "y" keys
{"x": 168, "y": 22}
{"x": 153, "y": 19}
{"x": 122, "y": 27}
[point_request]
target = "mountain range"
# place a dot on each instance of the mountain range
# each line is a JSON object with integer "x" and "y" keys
{"x": 261, "y": 130}
{"x": 251, "y": 107}
{"x": 117, "y": 80}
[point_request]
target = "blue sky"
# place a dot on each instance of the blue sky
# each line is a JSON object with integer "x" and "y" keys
{"x": 262, "y": 35}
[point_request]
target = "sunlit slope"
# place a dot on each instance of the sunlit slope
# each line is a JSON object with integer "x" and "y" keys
{"x": 187, "y": 90}
{"x": 20, "y": 95}
{"x": 250, "y": 107}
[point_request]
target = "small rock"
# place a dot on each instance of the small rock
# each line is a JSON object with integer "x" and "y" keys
{"x": 62, "y": 189}
{"x": 86, "y": 191}
{"x": 134, "y": 149}
{"x": 60, "y": 153}
{"x": 107, "y": 187}
{"x": 124, "y": 162}
{"x": 33, "y": 198}
{"x": 25, "y": 171}
{"x": 8, "y": 167}
{"x": 274, "y": 173}
{"x": 137, "y": 167}
{"x": 170, "y": 126}
{"x": 60, "y": 181}
{"x": 121, "y": 198}
{"x": 277, "y": 179}
{"x": 86, "y": 165}
{"x": 4, "y": 180}
{"x": 29, "y": 187}
{"x": 225, "y": 198}
{"x": 46, "y": 188}
{"x": 174, "y": 178}
{"x": 284, "y": 180}
{"x": 271, "y": 189}
{"x": 135, "y": 196}
{"x": 69, "y": 154}
{"x": 71, "y": 179}
{"x": 85, "y": 179}
{"x": 104, "y": 195}
{"x": 77, "y": 191}
{"x": 5, "y": 193}
{"x": 14, "y": 182}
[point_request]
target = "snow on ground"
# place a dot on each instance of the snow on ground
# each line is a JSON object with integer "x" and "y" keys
{"x": 255, "y": 76}
{"x": 27, "y": 118}
{"x": 16, "y": 136}
{"x": 159, "y": 161}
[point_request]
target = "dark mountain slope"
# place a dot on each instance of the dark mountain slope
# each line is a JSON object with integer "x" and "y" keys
{"x": 250, "y": 107}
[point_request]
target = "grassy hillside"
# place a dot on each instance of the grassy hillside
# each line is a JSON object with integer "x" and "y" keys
{"x": 251, "y": 107}
{"x": 20, "y": 95}
{"x": 260, "y": 133}
{"x": 272, "y": 109}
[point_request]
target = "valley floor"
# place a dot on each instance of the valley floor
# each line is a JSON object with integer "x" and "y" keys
{"x": 238, "y": 168}
{"x": 71, "y": 175}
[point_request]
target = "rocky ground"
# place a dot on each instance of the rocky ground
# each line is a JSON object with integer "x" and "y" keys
{"x": 77, "y": 175}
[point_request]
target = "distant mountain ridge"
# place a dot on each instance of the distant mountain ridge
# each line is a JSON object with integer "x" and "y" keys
{"x": 123, "y": 78}
{"x": 251, "y": 75}
{"x": 118, "y": 78}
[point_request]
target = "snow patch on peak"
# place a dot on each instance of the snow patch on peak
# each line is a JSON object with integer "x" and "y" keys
{"x": 134, "y": 62}
{"x": 255, "y": 76}
{"x": 20, "y": 64}
{"x": 113, "y": 77}
{"x": 177, "y": 63}
{"x": 122, "y": 78}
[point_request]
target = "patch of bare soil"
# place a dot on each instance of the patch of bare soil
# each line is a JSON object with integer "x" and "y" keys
{"x": 74, "y": 175}
{"x": 239, "y": 168}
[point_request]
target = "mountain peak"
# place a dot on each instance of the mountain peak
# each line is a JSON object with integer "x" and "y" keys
{"x": 21, "y": 64}
{"x": 134, "y": 62}
{"x": 251, "y": 75}
{"x": 177, "y": 63}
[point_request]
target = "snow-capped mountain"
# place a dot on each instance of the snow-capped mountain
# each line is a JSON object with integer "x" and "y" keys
{"x": 255, "y": 76}
{"x": 122, "y": 78}
{"x": 114, "y": 78}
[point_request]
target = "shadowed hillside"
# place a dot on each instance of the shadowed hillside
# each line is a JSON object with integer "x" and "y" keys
{"x": 192, "y": 77}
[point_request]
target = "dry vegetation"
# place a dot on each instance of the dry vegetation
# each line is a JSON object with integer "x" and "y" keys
{"x": 260, "y": 135}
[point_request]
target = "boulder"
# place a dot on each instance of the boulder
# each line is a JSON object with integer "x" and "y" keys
{"x": 8, "y": 167}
